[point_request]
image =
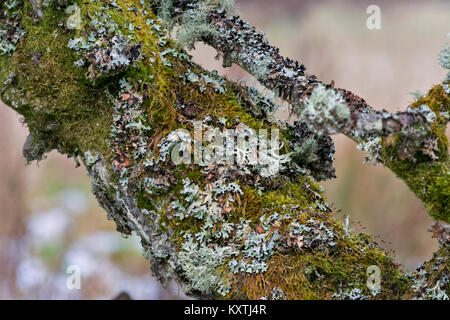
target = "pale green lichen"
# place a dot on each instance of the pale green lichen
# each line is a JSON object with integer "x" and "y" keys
{"x": 423, "y": 290}
{"x": 206, "y": 79}
{"x": 436, "y": 292}
{"x": 193, "y": 27}
{"x": 106, "y": 48}
{"x": 90, "y": 159}
{"x": 218, "y": 209}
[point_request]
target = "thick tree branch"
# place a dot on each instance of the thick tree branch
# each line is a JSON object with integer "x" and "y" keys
{"x": 117, "y": 94}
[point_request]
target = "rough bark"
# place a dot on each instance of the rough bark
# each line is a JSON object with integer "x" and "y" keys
{"x": 115, "y": 92}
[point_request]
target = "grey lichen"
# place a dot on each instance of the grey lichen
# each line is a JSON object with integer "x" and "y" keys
{"x": 261, "y": 103}
{"x": 444, "y": 56}
{"x": 373, "y": 148}
{"x": 129, "y": 121}
{"x": 351, "y": 294}
{"x": 437, "y": 292}
{"x": 90, "y": 159}
{"x": 206, "y": 79}
{"x": 37, "y": 12}
{"x": 313, "y": 234}
{"x": 312, "y": 152}
{"x": 436, "y": 286}
{"x": 276, "y": 294}
{"x": 193, "y": 27}
{"x": 419, "y": 138}
{"x": 200, "y": 264}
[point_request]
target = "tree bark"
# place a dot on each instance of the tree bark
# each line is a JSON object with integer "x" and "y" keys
{"x": 118, "y": 93}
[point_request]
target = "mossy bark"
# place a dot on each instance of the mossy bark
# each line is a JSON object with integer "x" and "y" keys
{"x": 428, "y": 178}
{"x": 115, "y": 98}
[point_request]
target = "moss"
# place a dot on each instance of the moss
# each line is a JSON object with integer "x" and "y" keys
{"x": 429, "y": 180}
{"x": 73, "y": 111}
{"x": 60, "y": 105}
{"x": 432, "y": 275}
{"x": 144, "y": 202}
{"x": 438, "y": 267}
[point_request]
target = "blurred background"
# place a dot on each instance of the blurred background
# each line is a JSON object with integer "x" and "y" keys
{"x": 49, "y": 219}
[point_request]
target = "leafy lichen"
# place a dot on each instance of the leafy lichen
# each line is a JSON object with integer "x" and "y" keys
{"x": 325, "y": 111}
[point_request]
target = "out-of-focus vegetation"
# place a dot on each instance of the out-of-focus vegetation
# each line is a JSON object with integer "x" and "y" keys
{"x": 50, "y": 219}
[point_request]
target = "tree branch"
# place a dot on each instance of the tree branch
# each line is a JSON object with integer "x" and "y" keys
{"x": 117, "y": 94}
{"x": 411, "y": 143}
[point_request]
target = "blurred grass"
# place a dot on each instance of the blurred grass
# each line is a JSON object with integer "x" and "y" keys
{"x": 331, "y": 39}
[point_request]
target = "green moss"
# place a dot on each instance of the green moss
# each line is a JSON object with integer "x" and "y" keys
{"x": 432, "y": 273}
{"x": 60, "y": 105}
{"x": 318, "y": 275}
{"x": 63, "y": 106}
{"x": 429, "y": 180}
{"x": 438, "y": 101}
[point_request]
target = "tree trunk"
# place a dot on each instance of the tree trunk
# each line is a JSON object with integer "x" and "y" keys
{"x": 118, "y": 93}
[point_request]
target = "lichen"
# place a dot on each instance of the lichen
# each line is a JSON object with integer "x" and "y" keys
{"x": 427, "y": 172}
{"x": 11, "y": 30}
{"x": 325, "y": 111}
{"x": 444, "y": 58}
{"x": 311, "y": 151}
{"x": 236, "y": 230}
{"x": 192, "y": 26}
{"x": 200, "y": 264}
